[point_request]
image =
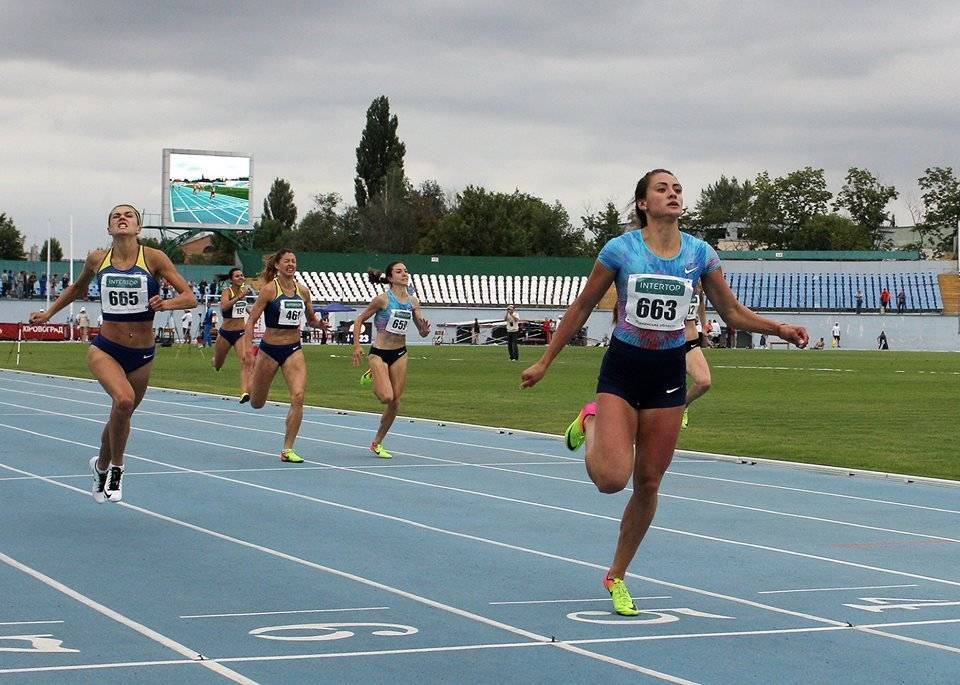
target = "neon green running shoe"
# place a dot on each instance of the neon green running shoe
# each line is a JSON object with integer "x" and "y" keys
{"x": 575, "y": 434}
{"x": 622, "y": 602}
{"x": 377, "y": 449}
{"x": 291, "y": 456}
{"x": 366, "y": 379}
{"x": 686, "y": 418}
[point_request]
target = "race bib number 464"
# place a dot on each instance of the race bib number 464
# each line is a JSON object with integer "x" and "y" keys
{"x": 657, "y": 302}
{"x": 291, "y": 311}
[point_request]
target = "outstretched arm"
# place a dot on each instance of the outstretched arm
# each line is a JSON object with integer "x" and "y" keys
{"x": 76, "y": 289}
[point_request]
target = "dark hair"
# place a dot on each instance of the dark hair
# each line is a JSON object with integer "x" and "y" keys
{"x": 135, "y": 211}
{"x": 377, "y": 276}
{"x": 230, "y": 273}
{"x": 641, "y": 192}
{"x": 270, "y": 265}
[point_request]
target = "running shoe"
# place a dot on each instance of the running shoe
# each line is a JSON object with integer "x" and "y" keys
{"x": 99, "y": 481}
{"x": 575, "y": 433}
{"x": 366, "y": 379}
{"x": 244, "y": 397}
{"x": 686, "y": 418}
{"x": 377, "y": 449}
{"x": 113, "y": 488}
{"x": 622, "y": 602}
{"x": 291, "y": 456}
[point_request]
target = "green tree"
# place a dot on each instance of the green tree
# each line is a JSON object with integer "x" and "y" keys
{"x": 379, "y": 151}
{"x": 321, "y": 230}
{"x": 428, "y": 206}
{"x": 11, "y": 240}
{"x": 722, "y": 203}
{"x": 830, "y": 232}
{"x": 279, "y": 215}
{"x": 175, "y": 253}
{"x": 603, "y": 226}
{"x": 387, "y": 219}
{"x": 866, "y": 199}
{"x": 781, "y": 206}
{"x": 56, "y": 250}
{"x": 941, "y": 203}
{"x": 500, "y": 224}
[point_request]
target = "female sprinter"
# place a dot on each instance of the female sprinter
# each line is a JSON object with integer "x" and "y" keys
{"x": 233, "y": 306}
{"x": 393, "y": 311}
{"x": 121, "y": 355}
{"x": 632, "y": 427}
{"x": 284, "y": 304}
{"x": 697, "y": 366}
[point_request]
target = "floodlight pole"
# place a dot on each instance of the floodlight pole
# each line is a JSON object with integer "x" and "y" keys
{"x": 70, "y": 324}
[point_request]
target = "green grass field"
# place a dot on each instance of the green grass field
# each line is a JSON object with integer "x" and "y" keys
{"x": 242, "y": 193}
{"x": 885, "y": 411}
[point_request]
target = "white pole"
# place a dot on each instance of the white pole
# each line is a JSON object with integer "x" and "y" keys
{"x": 71, "y": 275}
{"x": 19, "y": 339}
{"x": 49, "y": 234}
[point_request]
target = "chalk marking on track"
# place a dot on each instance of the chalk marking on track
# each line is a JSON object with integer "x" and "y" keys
{"x": 278, "y": 613}
{"x": 833, "y": 589}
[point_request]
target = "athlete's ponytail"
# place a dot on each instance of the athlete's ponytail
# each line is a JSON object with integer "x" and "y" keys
{"x": 376, "y": 276}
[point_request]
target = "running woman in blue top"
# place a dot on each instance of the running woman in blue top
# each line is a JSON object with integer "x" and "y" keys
{"x": 284, "y": 304}
{"x": 121, "y": 356}
{"x": 233, "y": 308}
{"x": 632, "y": 428}
{"x": 395, "y": 313}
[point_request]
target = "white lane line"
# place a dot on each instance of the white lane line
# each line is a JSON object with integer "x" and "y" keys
{"x": 27, "y": 623}
{"x": 504, "y": 499}
{"x": 575, "y": 601}
{"x": 462, "y": 613}
{"x": 833, "y": 589}
{"x": 278, "y": 613}
{"x": 149, "y": 633}
{"x": 496, "y": 543}
{"x": 497, "y": 468}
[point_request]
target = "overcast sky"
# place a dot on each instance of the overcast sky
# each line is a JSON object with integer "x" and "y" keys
{"x": 569, "y": 101}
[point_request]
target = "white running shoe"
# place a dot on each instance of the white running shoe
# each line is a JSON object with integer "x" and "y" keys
{"x": 113, "y": 489}
{"x": 99, "y": 481}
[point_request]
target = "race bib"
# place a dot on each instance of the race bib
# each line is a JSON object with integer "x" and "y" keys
{"x": 291, "y": 311}
{"x": 399, "y": 321}
{"x": 692, "y": 309}
{"x": 658, "y": 302}
{"x": 239, "y": 309}
{"x": 123, "y": 294}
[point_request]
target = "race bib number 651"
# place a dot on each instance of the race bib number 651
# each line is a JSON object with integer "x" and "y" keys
{"x": 399, "y": 321}
{"x": 657, "y": 302}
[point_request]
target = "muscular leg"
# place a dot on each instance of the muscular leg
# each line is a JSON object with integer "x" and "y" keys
{"x": 699, "y": 371}
{"x": 382, "y": 386}
{"x": 264, "y": 369}
{"x": 609, "y": 443}
{"x": 657, "y": 431}
{"x": 398, "y": 381}
{"x": 220, "y": 350}
{"x": 242, "y": 352}
{"x": 295, "y": 374}
{"x": 126, "y": 391}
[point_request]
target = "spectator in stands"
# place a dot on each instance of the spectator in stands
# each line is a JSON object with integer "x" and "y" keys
{"x": 186, "y": 325}
{"x": 547, "y": 330}
{"x": 513, "y": 333}
{"x": 31, "y": 284}
{"x": 882, "y": 341}
{"x": 83, "y": 321}
{"x": 475, "y": 333}
{"x": 393, "y": 311}
{"x": 632, "y": 428}
{"x": 901, "y": 302}
{"x": 884, "y": 300}
{"x": 43, "y": 284}
{"x": 818, "y": 345}
{"x": 763, "y": 341}
{"x": 208, "y": 324}
{"x": 859, "y": 299}
{"x": 3, "y": 283}
{"x": 202, "y": 285}
{"x": 835, "y": 332}
{"x": 64, "y": 282}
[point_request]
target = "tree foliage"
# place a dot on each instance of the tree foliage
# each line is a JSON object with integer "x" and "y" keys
{"x": 722, "y": 203}
{"x": 866, "y": 199}
{"x": 500, "y": 224}
{"x": 940, "y": 193}
{"x": 830, "y": 232}
{"x": 11, "y": 239}
{"x": 380, "y": 153}
{"x": 56, "y": 250}
{"x": 278, "y": 207}
{"x": 781, "y": 206}
{"x": 603, "y": 226}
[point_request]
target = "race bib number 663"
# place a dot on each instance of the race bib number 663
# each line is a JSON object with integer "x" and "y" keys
{"x": 657, "y": 302}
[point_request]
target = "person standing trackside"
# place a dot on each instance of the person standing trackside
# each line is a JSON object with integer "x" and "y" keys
{"x": 859, "y": 299}
{"x": 475, "y": 333}
{"x": 186, "y": 326}
{"x": 901, "y": 302}
{"x": 835, "y": 332}
{"x": 631, "y": 430}
{"x": 121, "y": 355}
{"x": 513, "y": 333}
{"x": 83, "y": 321}
{"x": 884, "y": 300}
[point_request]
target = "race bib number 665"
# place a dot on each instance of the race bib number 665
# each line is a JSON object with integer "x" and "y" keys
{"x": 657, "y": 302}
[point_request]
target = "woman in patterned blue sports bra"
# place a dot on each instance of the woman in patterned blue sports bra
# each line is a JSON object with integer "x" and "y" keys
{"x": 284, "y": 304}
{"x": 632, "y": 427}
{"x": 233, "y": 307}
{"x": 395, "y": 313}
{"x": 121, "y": 356}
